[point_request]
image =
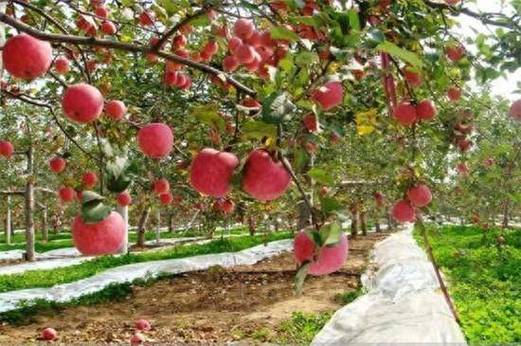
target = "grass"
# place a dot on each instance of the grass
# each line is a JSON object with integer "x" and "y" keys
{"x": 301, "y": 328}
{"x": 52, "y": 277}
{"x": 348, "y": 296}
{"x": 484, "y": 279}
{"x": 63, "y": 239}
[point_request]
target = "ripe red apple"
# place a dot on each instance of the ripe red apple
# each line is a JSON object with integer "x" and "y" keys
{"x": 454, "y": 94}
{"x": 515, "y": 110}
{"x": 245, "y": 54}
{"x": 405, "y": 113}
{"x": 324, "y": 260}
{"x": 462, "y": 169}
{"x": 419, "y": 195}
{"x": 244, "y": 28}
{"x": 161, "y": 186}
{"x": 234, "y": 43}
{"x": 263, "y": 178}
{"x": 464, "y": 145}
{"x": 115, "y": 109}
{"x": 61, "y": 65}
{"x": 108, "y": 28}
{"x": 67, "y": 194}
{"x": 90, "y": 179}
{"x": 146, "y": 18}
{"x": 329, "y": 95}
{"x": 49, "y": 334}
{"x": 102, "y": 238}
{"x": 166, "y": 198}
{"x": 137, "y": 339}
{"x": 155, "y": 140}
{"x": 124, "y": 199}
{"x": 403, "y": 212}
{"x": 26, "y": 57}
{"x": 211, "y": 48}
{"x": 452, "y": 2}
{"x": 57, "y": 164}
{"x": 455, "y": 52}
{"x": 101, "y": 11}
{"x": 142, "y": 325}
{"x": 425, "y": 110}
{"x": 230, "y": 63}
{"x": 311, "y": 122}
{"x": 82, "y": 103}
{"x": 6, "y": 149}
{"x": 211, "y": 172}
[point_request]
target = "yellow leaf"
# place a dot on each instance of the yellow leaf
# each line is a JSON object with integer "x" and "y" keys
{"x": 366, "y": 122}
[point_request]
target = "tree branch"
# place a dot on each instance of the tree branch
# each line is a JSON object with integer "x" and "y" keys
{"x": 145, "y": 49}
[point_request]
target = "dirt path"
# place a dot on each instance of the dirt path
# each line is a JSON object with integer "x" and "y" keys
{"x": 214, "y": 306}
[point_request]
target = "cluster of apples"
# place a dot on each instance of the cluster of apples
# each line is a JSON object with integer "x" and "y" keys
{"x": 254, "y": 50}
{"x": 418, "y": 196}
{"x": 141, "y": 326}
{"x": 408, "y": 114}
{"x": 263, "y": 178}
{"x": 461, "y": 130}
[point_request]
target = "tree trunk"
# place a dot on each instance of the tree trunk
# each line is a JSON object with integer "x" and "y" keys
{"x": 123, "y": 211}
{"x": 158, "y": 226}
{"x": 29, "y": 209}
{"x": 363, "y": 223}
{"x": 506, "y": 208}
{"x": 141, "y": 226}
{"x": 389, "y": 222}
{"x": 45, "y": 233}
{"x": 8, "y": 222}
{"x": 171, "y": 222}
{"x": 377, "y": 226}
{"x": 251, "y": 225}
{"x": 354, "y": 222}
{"x": 304, "y": 215}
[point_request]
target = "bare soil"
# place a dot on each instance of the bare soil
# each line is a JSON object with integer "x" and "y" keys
{"x": 244, "y": 304}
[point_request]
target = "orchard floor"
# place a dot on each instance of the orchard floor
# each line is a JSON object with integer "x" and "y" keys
{"x": 245, "y": 303}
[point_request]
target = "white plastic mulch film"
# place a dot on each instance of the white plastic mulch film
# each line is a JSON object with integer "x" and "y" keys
{"x": 131, "y": 272}
{"x": 403, "y": 303}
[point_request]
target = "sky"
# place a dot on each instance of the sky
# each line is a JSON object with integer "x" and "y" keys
{"x": 503, "y": 86}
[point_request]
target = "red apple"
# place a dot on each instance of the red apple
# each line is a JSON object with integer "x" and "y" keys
{"x": 264, "y": 178}
{"x": 26, "y": 57}
{"x": 49, "y": 334}
{"x": 226, "y": 206}
{"x": 405, "y": 113}
{"x": 155, "y": 140}
{"x": 90, "y": 179}
{"x": 454, "y": 94}
{"x": 324, "y": 260}
{"x": 6, "y": 149}
{"x": 61, "y": 65}
{"x": 230, "y": 63}
{"x": 245, "y": 54}
{"x": 101, "y": 11}
{"x": 147, "y": 18}
{"x": 124, "y": 199}
{"x": 244, "y": 28}
{"x": 102, "y": 238}
{"x": 115, "y": 109}
{"x": 82, "y": 103}
{"x": 311, "y": 122}
{"x": 66, "y": 194}
{"x": 137, "y": 339}
{"x": 57, "y": 164}
{"x": 179, "y": 41}
{"x": 161, "y": 186}
{"x": 166, "y": 198}
{"x": 329, "y": 95}
{"x": 108, "y": 28}
{"x": 211, "y": 172}
{"x": 455, "y": 52}
{"x": 403, "y": 212}
{"x": 142, "y": 325}
{"x": 413, "y": 78}
{"x": 425, "y": 110}
{"x": 420, "y": 195}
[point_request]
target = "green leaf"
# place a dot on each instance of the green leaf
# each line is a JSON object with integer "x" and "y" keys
{"x": 354, "y": 19}
{"x": 119, "y": 174}
{"x": 405, "y": 55}
{"x": 258, "y": 129}
{"x": 300, "y": 276}
{"x": 209, "y": 114}
{"x": 331, "y": 234}
{"x": 92, "y": 208}
{"x": 320, "y": 176}
{"x": 329, "y": 205}
{"x": 281, "y": 33}
{"x": 277, "y": 107}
